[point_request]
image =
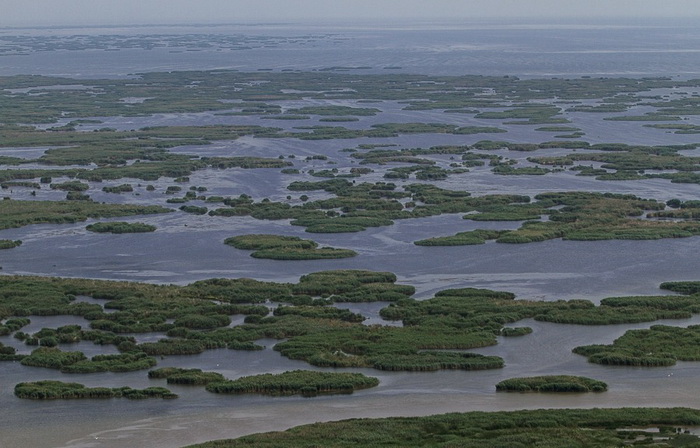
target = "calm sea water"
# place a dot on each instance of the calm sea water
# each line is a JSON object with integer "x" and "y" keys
{"x": 550, "y": 270}
{"x": 660, "y": 48}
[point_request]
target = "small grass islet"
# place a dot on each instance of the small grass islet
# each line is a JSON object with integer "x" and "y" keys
{"x": 298, "y": 382}
{"x": 551, "y": 383}
{"x": 77, "y": 362}
{"x": 276, "y": 247}
{"x": 194, "y": 377}
{"x": 10, "y": 244}
{"x": 16, "y": 213}
{"x": 55, "y": 390}
{"x": 120, "y": 227}
{"x": 305, "y": 382}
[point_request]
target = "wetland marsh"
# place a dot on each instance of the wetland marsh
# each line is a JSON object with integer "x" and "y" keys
{"x": 418, "y": 235}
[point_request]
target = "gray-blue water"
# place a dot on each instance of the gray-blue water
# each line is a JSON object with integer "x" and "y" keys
{"x": 650, "y": 48}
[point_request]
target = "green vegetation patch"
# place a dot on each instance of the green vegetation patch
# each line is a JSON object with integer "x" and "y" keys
{"x": 304, "y": 382}
{"x": 628, "y": 162}
{"x": 195, "y": 210}
{"x": 287, "y": 117}
{"x": 276, "y": 247}
{"x": 515, "y": 331}
{"x": 123, "y": 188}
{"x": 552, "y": 383}
{"x": 54, "y": 390}
{"x": 532, "y": 113}
{"x": 9, "y": 244}
{"x": 462, "y": 239}
{"x": 120, "y": 227}
{"x": 660, "y": 345}
{"x": 558, "y": 129}
{"x": 253, "y": 93}
{"x": 7, "y": 185}
{"x": 579, "y": 216}
{"x": 334, "y": 111}
{"x": 576, "y": 428}
{"x": 73, "y": 185}
{"x": 12, "y": 325}
{"x": 338, "y": 119}
{"x": 688, "y": 287}
{"x": 646, "y": 117}
{"x": 434, "y": 334}
{"x": 76, "y": 362}
{"x": 571, "y": 215}
{"x": 196, "y": 377}
{"x": 509, "y": 170}
{"x": 141, "y": 154}
{"x": 8, "y": 353}
{"x": 353, "y": 286}
{"x": 409, "y": 348}
{"x": 14, "y": 213}
{"x": 263, "y": 241}
{"x": 677, "y": 128}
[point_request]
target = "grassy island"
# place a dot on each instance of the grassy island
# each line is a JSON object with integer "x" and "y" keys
{"x": 552, "y": 383}
{"x": 304, "y": 382}
{"x": 77, "y": 362}
{"x": 120, "y": 227}
{"x": 196, "y": 377}
{"x": 579, "y": 216}
{"x": 515, "y": 331}
{"x": 15, "y": 213}
{"x": 9, "y": 244}
{"x": 54, "y": 390}
{"x": 123, "y": 188}
{"x": 277, "y": 247}
{"x": 660, "y": 345}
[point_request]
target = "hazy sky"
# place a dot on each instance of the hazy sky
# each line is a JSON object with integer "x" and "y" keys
{"x": 110, "y": 12}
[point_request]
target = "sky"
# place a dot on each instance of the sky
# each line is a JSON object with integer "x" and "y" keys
{"x": 124, "y": 12}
